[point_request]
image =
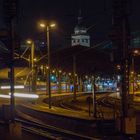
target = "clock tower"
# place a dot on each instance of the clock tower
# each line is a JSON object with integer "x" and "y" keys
{"x": 80, "y": 36}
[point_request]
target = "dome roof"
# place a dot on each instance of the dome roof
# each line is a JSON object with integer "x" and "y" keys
{"x": 80, "y": 30}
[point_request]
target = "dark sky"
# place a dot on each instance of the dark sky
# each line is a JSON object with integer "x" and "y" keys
{"x": 65, "y": 12}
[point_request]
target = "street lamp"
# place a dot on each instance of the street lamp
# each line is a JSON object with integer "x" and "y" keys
{"x": 59, "y": 80}
{"x": 47, "y": 27}
{"x": 30, "y": 42}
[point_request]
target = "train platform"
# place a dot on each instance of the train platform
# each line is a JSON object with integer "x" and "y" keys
{"x": 58, "y": 106}
{"x": 58, "y": 114}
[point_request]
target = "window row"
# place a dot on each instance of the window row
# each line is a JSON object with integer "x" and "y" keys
{"x": 80, "y": 40}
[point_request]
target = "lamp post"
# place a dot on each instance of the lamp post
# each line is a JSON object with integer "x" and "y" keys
{"x": 133, "y": 69}
{"x": 94, "y": 97}
{"x": 47, "y": 27}
{"x": 59, "y": 81}
{"x": 74, "y": 77}
{"x": 30, "y": 42}
{"x": 69, "y": 83}
{"x": 12, "y": 75}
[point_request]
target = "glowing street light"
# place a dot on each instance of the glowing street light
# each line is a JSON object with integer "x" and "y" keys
{"x": 45, "y": 25}
{"x": 29, "y": 41}
{"x": 52, "y": 25}
{"x": 136, "y": 52}
{"x": 60, "y": 71}
{"x": 42, "y": 25}
{"x": 69, "y": 74}
{"x": 35, "y": 59}
{"x": 132, "y": 72}
{"x": 53, "y": 71}
{"x": 118, "y": 67}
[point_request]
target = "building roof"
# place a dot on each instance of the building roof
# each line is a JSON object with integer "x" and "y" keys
{"x": 88, "y": 60}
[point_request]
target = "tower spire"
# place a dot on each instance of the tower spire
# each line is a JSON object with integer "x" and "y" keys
{"x": 80, "y": 17}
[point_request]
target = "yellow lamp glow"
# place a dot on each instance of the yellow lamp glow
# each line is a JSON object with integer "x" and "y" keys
{"x": 42, "y": 25}
{"x": 29, "y": 41}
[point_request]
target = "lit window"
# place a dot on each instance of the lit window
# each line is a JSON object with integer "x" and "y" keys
{"x": 73, "y": 40}
{"x": 86, "y": 40}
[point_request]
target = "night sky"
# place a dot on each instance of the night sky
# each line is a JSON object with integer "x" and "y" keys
{"x": 64, "y": 13}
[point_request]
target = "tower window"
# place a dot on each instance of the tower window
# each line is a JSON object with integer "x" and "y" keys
{"x": 86, "y": 40}
{"x": 83, "y": 40}
{"x": 78, "y": 40}
{"x": 73, "y": 40}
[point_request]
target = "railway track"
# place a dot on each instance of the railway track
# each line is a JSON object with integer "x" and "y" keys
{"x": 112, "y": 102}
{"x": 103, "y": 101}
{"x": 51, "y": 132}
{"x": 53, "y": 129}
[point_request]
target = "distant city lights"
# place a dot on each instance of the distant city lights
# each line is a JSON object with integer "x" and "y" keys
{"x": 4, "y": 96}
{"x": 16, "y": 87}
{"x": 25, "y": 95}
{"x": 21, "y": 95}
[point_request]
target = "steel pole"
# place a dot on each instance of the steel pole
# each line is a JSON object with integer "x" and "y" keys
{"x": 133, "y": 69}
{"x": 32, "y": 56}
{"x": 12, "y": 80}
{"x": 49, "y": 67}
{"x": 33, "y": 67}
{"x": 125, "y": 72}
{"x": 59, "y": 82}
{"x": 74, "y": 77}
{"x": 94, "y": 97}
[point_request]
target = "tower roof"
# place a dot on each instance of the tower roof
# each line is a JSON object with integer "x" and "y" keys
{"x": 79, "y": 28}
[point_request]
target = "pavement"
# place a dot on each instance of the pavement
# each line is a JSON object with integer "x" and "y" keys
{"x": 41, "y": 106}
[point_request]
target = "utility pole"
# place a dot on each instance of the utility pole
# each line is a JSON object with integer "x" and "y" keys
{"x": 33, "y": 68}
{"x": 10, "y": 11}
{"x": 12, "y": 76}
{"x": 94, "y": 97}
{"x": 49, "y": 65}
{"x": 133, "y": 73}
{"x": 121, "y": 40}
{"x": 59, "y": 81}
{"x": 125, "y": 68}
{"x": 74, "y": 77}
{"x": 32, "y": 55}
